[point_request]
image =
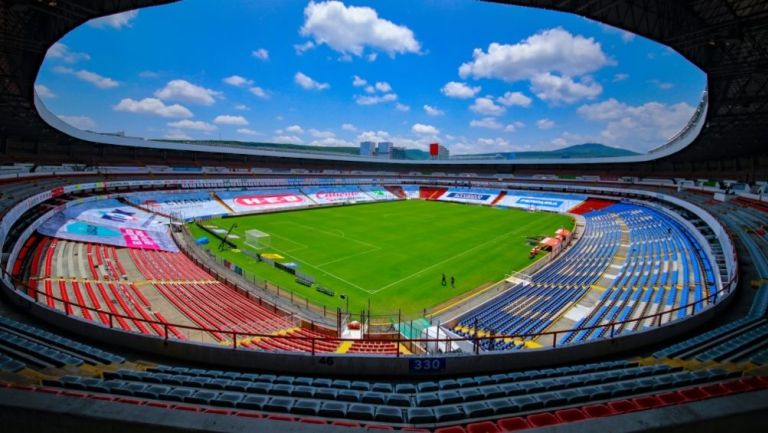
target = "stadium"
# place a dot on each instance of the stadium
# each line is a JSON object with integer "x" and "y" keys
{"x": 166, "y": 285}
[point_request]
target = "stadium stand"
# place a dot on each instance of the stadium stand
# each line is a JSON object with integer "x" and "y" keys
{"x": 723, "y": 364}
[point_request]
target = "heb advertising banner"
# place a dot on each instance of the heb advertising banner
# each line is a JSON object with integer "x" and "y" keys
{"x": 268, "y": 200}
{"x": 136, "y": 238}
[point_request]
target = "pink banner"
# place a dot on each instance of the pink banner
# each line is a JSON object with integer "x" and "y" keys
{"x": 140, "y": 239}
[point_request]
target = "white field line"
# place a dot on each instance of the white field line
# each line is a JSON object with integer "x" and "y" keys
{"x": 323, "y": 271}
{"x": 348, "y": 257}
{"x": 342, "y": 236}
{"x": 417, "y": 273}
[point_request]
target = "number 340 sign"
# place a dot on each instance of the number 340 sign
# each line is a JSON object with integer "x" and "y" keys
{"x": 426, "y": 365}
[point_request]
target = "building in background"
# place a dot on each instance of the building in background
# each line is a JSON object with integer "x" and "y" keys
{"x": 367, "y": 148}
{"x": 384, "y": 150}
{"x": 438, "y": 151}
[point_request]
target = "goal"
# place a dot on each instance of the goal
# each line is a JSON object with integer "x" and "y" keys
{"x": 257, "y": 239}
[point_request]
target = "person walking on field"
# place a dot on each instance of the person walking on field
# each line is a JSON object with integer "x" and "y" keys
{"x": 443, "y": 280}
{"x": 453, "y": 282}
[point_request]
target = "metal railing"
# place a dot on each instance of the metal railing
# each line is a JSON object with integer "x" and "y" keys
{"x": 310, "y": 344}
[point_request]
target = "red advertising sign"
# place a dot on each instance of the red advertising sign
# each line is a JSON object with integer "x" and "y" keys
{"x": 267, "y": 200}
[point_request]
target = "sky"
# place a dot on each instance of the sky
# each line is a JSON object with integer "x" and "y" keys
{"x": 476, "y": 77}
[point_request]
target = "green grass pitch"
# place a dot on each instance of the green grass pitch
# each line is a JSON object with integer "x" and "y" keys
{"x": 393, "y": 253}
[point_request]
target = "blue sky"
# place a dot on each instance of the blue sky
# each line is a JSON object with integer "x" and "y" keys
{"x": 474, "y": 76}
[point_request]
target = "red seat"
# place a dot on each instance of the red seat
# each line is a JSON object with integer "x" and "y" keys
{"x": 715, "y": 390}
{"x": 345, "y": 424}
{"x": 281, "y": 418}
{"x": 451, "y": 429}
{"x": 188, "y": 408}
{"x": 415, "y": 430}
{"x": 598, "y": 410}
{"x": 671, "y": 398}
{"x": 694, "y": 394}
{"x": 755, "y": 382}
{"x": 482, "y": 427}
{"x": 379, "y": 427}
{"x": 249, "y": 414}
{"x": 736, "y": 386}
{"x": 313, "y": 421}
{"x": 622, "y": 406}
{"x": 219, "y": 411}
{"x": 513, "y": 424}
{"x": 542, "y": 419}
{"x": 570, "y": 415}
{"x": 648, "y": 402}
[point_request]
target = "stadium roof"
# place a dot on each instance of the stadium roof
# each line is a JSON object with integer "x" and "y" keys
{"x": 727, "y": 39}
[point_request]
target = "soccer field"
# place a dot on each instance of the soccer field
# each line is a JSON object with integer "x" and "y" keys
{"x": 393, "y": 253}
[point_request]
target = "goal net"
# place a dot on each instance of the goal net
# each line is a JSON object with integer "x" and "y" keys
{"x": 257, "y": 239}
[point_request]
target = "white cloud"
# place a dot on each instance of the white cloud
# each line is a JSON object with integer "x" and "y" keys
{"x": 308, "y": 83}
{"x": 487, "y": 107}
{"x": 370, "y": 89}
{"x": 483, "y": 145}
{"x": 246, "y": 131}
{"x": 556, "y": 89}
{"x": 152, "y": 106}
{"x": 348, "y": 127}
{"x": 358, "y": 82}
{"x": 90, "y": 77}
{"x": 261, "y": 54}
{"x": 486, "y": 122}
{"x": 383, "y": 86}
{"x": 321, "y": 134}
{"x": 455, "y": 89}
{"x": 514, "y": 98}
{"x": 237, "y": 81}
{"x": 402, "y": 107}
{"x": 295, "y": 129}
{"x": 303, "y": 48}
{"x": 350, "y": 30}
{"x": 662, "y": 85}
{"x": 375, "y": 100}
{"x": 433, "y": 111}
{"x": 148, "y": 74}
{"x": 550, "y": 50}
{"x": 195, "y": 125}
{"x": 626, "y": 36}
{"x": 640, "y": 127}
{"x": 545, "y": 123}
{"x": 514, "y": 126}
{"x": 242, "y": 107}
{"x": 116, "y": 21}
{"x": 287, "y": 139}
{"x": 80, "y": 122}
{"x": 422, "y": 129}
{"x": 259, "y": 92}
{"x": 620, "y": 77}
{"x": 176, "y": 134}
{"x": 62, "y": 52}
{"x": 226, "y": 119}
{"x": 331, "y": 141}
{"x": 44, "y": 91}
{"x": 184, "y": 91}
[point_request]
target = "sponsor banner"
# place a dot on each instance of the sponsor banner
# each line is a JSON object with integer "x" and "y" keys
{"x": 550, "y": 202}
{"x": 539, "y": 202}
{"x": 471, "y": 196}
{"x": 268, "y": 200}
{"x": 140, "y": 239}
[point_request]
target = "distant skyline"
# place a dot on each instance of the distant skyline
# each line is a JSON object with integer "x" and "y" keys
{"x": 476, "y": 77}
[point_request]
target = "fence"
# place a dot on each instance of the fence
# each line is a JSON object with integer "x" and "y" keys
{"x": 205, "y": 335}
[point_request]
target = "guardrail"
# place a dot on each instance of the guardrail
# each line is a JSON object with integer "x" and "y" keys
{"x": 610, "y": 329}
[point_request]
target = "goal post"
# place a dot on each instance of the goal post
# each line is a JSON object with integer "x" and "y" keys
{"x": 257, "y": 239}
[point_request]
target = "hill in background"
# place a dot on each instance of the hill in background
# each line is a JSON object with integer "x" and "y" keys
{"x": 586, "y": 150}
